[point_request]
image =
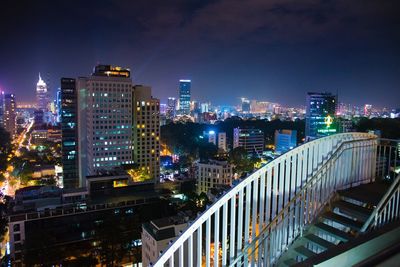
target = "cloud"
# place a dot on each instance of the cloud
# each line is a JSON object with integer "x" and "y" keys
{"x": 283, "y": 20}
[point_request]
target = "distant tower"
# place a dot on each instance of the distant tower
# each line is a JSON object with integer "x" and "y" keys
{"x": 245, "y": 105}
{"x": 1, "y": 108}
{"x": 9, "y": 113}
{"x": 42, "y": 98}
{"x": 320, "y": 115}
{"x": 58, "y": 105}
{"x": 171, "y": 108}
{"x": 184, "y": 96}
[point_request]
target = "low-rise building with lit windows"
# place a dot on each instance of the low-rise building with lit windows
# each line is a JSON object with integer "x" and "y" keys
{"x": 213, "y": 174}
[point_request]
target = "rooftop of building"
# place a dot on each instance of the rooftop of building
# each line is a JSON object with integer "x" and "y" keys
{"x": 218, "y": 162}
{"x": 111, "y": 71}
{"x": 164, "y": 228}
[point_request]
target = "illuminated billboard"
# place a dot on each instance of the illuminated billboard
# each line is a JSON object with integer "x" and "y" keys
{"x": 328, "y": 126}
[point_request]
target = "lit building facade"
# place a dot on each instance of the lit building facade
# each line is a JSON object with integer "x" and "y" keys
{"x": 211, "y": 136}
{"x": 245, "y": 105}
{"x": 252, "y": 140}
{"x": 1, "y": 108}
{"x": 222, "y": 141}
{"x": 213, "y": 174}
{"x": 367, "y": 110}
{"x": 285, "y": 140}
{"x": 69, "y": 133}
{"x": 58, "y": 105}
{"x": 184, "y": 96}
{"x": 171, "y": 108}
{"x": 105, "y": 119}
{"x": 157, "y": 235}
{"x": 42, "y": 97}
{"x": 9, "y": 115}
{"x": 320, "y": 115}
{"x": 146, "y": 132}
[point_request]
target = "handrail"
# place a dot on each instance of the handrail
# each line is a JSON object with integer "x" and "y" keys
{"x": 302, "y": 192}
{"x": 382, "y": 203}
{"x": 312, "y": 160}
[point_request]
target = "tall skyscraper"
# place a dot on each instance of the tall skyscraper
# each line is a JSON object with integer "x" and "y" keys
{"x": 1, "y": 108}
{"x": 69, "y": 131}
{"x": 171, "y": 108}
{"x": 146, "y": 132}
{"x": 58, "y": 105}
{"x": 9, "y": 113}
{"x": 320, "y": 115}
{"x": 107, "y": 123}
{"x": 367, "y": 110}
{"x": 184, "y": 96}
{"x": 205, "y": 107}
{"x": 245, "y": 105}
{"x": 105, "y": 119}
{"x": 42, "y": 97}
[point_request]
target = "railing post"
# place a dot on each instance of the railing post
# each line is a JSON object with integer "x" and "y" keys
{"x": 208, "y": 242}
{"x": 199, "y": 246}
{"x": 232, "y": 229}
{"x": 216, "y": 238}
{"x": 224, "y": 232}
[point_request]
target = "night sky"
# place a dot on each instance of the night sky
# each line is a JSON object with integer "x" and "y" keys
{"x": 274, "y": 50}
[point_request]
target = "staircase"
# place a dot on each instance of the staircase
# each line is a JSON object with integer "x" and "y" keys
{"x": 341, "y": 222}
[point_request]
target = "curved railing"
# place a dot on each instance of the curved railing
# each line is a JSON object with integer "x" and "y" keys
{"x": 388, "y": 208}
{"x": 258, "y": 219}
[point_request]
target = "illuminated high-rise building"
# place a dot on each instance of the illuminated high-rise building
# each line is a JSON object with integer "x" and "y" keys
{"x": 69, "y": 131}
{"x": 245, "y": 105}
{"x": 146, "y": 133}
{"x": 184, "y": 96}
{"x": 1, "y": 108}
{"x": 104, "y": 119}
{"x": 367, "y": 110}
{"x": 9, "y": 114}
{"x": 205, "y": 107}
{"x": 42, "y": 97}
{"x": 58, "y": 105}
{"x": 320, "y": 115}
{"x": 171, "y": 108}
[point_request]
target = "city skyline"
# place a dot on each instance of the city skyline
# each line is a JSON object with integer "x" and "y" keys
{"x": 297, "y": 48}
{"x": 52, "y": 94}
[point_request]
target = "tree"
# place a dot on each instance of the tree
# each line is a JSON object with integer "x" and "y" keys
{"x": 207, "y": 150}
{"x": 390, "y": 128}
{"x": 239, "y": 157}
{"x": 137, "y": 173}
{"x": 115, "y": 235}
{"x": 5, "y": 148}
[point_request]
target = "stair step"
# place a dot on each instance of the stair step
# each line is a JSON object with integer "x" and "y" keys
{"x": 303, "y": 251}
{"x": 342, "y": 220}
{"x": 360, "y": 213}
{"x": 343, "y": 236}
{"x": 290, "y": 262}
{"x": 369, "y": 194}
{"x": 320, "y": 242}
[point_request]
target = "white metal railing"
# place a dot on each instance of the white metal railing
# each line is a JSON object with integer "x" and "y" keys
{"x": 388, "y": 208}
{"x": 258, "y": 219}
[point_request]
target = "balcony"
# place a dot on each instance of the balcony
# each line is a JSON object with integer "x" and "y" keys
{"x": 298, "y": 207}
